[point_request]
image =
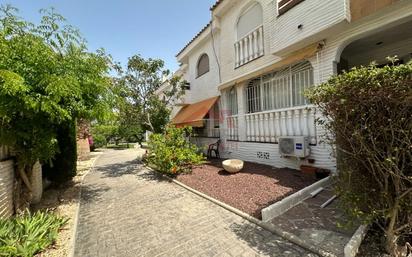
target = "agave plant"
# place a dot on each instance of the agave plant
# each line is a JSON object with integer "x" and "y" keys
{"x": 27, "y": 234}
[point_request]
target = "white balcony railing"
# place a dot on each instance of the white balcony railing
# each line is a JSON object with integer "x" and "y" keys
{"x": 249, "y": 47}
{"x": 269, "y": 126}
{"x": 232, "y": 132}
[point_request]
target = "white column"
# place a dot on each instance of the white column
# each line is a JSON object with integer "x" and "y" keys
{"x": 241, "y": 122}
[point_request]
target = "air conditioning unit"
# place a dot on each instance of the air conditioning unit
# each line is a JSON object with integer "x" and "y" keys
{"x": 294, "y": 146}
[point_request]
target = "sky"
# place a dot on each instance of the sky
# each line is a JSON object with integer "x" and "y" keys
{"x": 151, "y": 28}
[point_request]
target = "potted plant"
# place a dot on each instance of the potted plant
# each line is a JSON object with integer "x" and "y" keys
{"x": 308, "y": 169}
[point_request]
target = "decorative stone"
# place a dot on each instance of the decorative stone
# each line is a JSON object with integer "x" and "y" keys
{"x": 233, "y": 165}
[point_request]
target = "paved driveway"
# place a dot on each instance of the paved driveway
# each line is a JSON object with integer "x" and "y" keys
{"x": 126, "y": 210}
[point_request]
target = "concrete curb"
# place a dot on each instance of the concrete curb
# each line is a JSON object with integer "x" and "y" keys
{"x": 76, "y": 216}
{"x": 352, "y": 247}
{"x": 268, "y": 226}
{"x": 287, "y": 203}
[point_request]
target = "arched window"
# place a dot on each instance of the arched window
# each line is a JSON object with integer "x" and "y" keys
{"x": 249, "y": 20}
{"x": 203, "y": 65}
{"x": 249, "y": 30}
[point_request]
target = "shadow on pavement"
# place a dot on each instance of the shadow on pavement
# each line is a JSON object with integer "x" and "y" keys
{"x": 264, "y": 241}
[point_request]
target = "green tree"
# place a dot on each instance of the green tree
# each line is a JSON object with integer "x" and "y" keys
{"x": 141, "y": 107}
{"x": 47, "y": 80}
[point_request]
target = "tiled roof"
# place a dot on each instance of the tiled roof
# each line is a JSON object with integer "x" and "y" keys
{"x": 204, "y": 28}
{"x": 216, "y": 5}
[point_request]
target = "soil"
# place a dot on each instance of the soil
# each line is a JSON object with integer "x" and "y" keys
{"x": 64, "y": 201}
{"x": 252, "y": 189}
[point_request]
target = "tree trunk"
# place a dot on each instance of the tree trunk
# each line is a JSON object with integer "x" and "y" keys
{"x": 391, "y": 237}
{"x": 36, "y": 179}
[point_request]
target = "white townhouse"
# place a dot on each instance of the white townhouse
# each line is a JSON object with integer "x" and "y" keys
{"x": 249, "y": 66}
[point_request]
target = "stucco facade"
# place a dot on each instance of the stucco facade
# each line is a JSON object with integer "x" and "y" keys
{"x": 319, "y": 32}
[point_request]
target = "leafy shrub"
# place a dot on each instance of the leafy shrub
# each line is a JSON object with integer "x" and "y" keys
{"x": 172, "y": 153}
{"x": 99, "y": 141}
{"x": 63, "y": 166}
{"x": 28, "y": 234}
{"x": 368, "y": 112}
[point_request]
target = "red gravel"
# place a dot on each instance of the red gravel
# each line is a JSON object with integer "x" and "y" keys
{"x": 254, "y": 188}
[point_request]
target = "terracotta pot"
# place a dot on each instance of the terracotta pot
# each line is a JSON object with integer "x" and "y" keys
{"x": 308, "y": 169}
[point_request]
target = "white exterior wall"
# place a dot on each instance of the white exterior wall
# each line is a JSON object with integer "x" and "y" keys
{"x": 205, "y": 86}
{"x": 329, "y": 21}
{"x": 6, "y": 188}
{"x": 315, "y": 17}
{"x": 389, "y": 17}
{"x": 228, "y": 38}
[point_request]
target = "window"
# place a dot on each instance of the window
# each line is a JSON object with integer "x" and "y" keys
{"x": 286, "y": 5}
{"x": 249, "y": 45}
{"x": 203, "y": 65}
{"x": 249, "y": 20}
{"x": 232, "y": 102}
{"x": 281, "y": 89}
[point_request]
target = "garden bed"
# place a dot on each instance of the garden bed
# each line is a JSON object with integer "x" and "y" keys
{"x": 254, "y": 188}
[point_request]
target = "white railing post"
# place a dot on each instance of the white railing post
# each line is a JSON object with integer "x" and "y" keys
{"x": 249, "y": 47}
{"x": 260, "y": 34}
{"x": 305, "y": 131}
{"x": 298, "y": 130}
{"x": 251, "y": 53}
{"x": 248, "y": 131}
{"x": 255, "y": 45}
{"x": 242, "y": 58}
{"x": 241, "y": 113}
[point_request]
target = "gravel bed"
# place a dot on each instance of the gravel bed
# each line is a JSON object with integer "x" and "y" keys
{"x": 254, "y": 188}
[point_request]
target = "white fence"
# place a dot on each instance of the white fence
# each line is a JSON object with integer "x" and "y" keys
{"x": 270, "y": 125}
{"x": 232, "y": 131}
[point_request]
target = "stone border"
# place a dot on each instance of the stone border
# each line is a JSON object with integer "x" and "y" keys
{"x": 352, "y": 247}
{"x": 267, "y": 226}
{"x": 72, "y": 242}
{"x": 287, "y": 203}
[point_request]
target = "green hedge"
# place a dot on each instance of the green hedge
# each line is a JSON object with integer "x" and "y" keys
{"x": 63, "y": 166}
{"x": 368, "y": 114}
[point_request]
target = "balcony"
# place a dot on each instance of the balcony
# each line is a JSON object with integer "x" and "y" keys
{"x": 301, "y": 23}
{"x": 249, "y": 48}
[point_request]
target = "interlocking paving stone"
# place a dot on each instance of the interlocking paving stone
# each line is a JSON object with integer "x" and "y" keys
{"x": 127, "y": 210}
{"x": 317, "y": 226}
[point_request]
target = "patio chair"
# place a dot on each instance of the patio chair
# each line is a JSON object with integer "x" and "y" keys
{"x": 214, "y": 148}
